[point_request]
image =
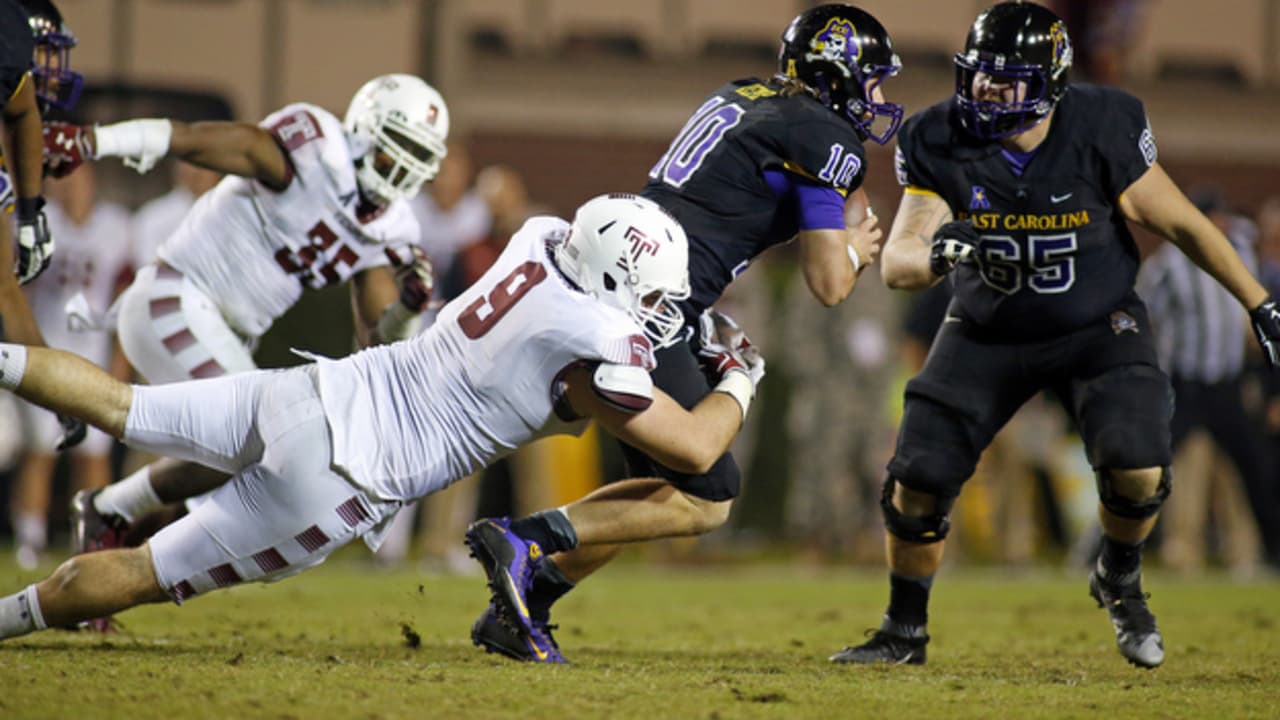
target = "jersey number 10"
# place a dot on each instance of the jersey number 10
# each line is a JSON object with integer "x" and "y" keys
{"x": 696, "y": 140}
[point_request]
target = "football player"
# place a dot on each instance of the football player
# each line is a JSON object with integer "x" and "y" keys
{"x": 559, "y": 331}
{"x": 308, "y": 201}
{"x": 1017, "y": 191}
{"x": 35, "y": 74}
{"x": 758, "y": 163}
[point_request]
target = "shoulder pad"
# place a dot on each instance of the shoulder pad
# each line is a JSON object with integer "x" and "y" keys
{"x": 625, "y": 387}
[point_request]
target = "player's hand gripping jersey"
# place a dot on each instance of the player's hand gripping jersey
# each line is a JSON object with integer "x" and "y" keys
{"x": 1054, "y": 252}
{"x": 716, "y": 177}
{"x": 409, "y": 418}
{"x": 253, "y": 250}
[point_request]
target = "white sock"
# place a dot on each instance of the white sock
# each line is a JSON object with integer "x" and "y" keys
{"x": 13, "y": 364}
{"x": 131, "y": 498}
{"x": 30, "y": 529}
{"x": 20, "y": 613}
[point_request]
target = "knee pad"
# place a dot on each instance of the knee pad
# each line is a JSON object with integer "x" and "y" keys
{"x": 1128, "y": 508}
{"x": 925, "y": 529}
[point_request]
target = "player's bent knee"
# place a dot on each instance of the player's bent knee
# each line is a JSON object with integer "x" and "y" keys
{"x": 1134, "y": 493}
{"x": 923, "y": 518}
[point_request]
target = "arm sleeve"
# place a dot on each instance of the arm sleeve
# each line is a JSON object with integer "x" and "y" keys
{"x": 820, "y": 207}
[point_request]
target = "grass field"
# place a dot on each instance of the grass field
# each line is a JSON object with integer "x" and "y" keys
{"x": 647, "y": 642}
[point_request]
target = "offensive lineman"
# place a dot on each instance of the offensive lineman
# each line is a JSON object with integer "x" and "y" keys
{"x": 1017, "y": 190}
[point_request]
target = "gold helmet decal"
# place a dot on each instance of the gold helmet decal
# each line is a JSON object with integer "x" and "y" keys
{"x": 1061, "y": 48}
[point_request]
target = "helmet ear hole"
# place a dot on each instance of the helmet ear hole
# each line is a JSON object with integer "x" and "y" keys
{"x": 609, "y": 283}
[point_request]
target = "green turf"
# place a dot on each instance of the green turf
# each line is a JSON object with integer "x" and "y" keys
{"x": 735, "y": 642}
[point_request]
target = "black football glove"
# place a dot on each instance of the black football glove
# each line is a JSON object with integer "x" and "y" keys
{"x": 35, "y": 244}
{"x": 1266, "y": 325}
{"x": 73, "y": 432}
{"x": 953, "y": 243}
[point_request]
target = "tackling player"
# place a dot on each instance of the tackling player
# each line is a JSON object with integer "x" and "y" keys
{"x": 1017, "y": 191}
{"x": 558, "y": 331}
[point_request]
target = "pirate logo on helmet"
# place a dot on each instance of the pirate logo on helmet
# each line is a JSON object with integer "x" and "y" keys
{"x": 1061, "y": 48}
{"x": 835, "y": 43}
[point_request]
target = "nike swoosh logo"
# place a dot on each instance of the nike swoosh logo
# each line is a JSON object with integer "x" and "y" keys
{"x": 1055, "y": 199}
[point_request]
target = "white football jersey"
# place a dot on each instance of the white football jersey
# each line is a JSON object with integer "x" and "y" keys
{"x": 412, "y": 417}
{"x": 253, "y": 250}
{"x": 156, "y": 220}
{"x": 90, "y": 259}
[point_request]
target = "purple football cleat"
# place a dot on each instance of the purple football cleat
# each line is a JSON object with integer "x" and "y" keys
{"x": 494, "y": 636}
{"x": 509, "y": 561}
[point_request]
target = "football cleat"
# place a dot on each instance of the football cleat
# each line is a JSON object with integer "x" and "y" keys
{"x": 509, "y": 561}
{"x": 1137, "y": 636}
{"x": 92, "y": 530}
{"x": 490, "y": 633}
{"x": 884, "y": 648}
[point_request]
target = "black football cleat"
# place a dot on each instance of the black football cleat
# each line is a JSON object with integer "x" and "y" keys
{"x": 1137, "y": 636}
{"x": 884, "y": 648}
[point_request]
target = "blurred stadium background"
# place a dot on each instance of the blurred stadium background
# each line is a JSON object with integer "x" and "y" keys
{"x": 578, "y": 97}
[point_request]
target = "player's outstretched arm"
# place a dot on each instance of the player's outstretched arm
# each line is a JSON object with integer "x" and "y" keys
{"x": 66, "y": 383}
{"x": 905, "y": 262}
{"x": 233, "y": 148}
{"x": 1155, "y": 202}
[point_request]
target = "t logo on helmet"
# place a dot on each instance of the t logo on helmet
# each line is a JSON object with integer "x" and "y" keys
{"x": 640, "y": 243}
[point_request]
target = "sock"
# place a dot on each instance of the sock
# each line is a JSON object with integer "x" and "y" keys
{"x": 131, "y": 498}
{"x": 549, "y": 528}
{"x": 908, "y": 611}
{"x": 549, "y": 585}
{"x": 1119, "y": 563}
{"x": 20, "y": 613}
{"x": 13, "y": 364}
{"x": 30, "y": 529}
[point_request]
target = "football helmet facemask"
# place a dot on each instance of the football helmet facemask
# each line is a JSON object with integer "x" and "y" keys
{"x": 397, "y": 126}
{"x": 629, "y": 253}
{"x": 1018, "y": 43}
{"x": 56, "y": 84}
{"x": 843, "y": 54}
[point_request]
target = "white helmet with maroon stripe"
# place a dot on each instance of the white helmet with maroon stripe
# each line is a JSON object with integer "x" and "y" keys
{"x": 629, "y": 253}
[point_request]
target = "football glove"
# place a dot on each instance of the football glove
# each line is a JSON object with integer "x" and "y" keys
{"x": 725, "y": 348}
{"x": 1266, "y": 325}
{"x": 66, "y": 147}
{"x": 35, "y": 243}
{"x": 415, "y": 276}
{"x": 73, "y": 432}
{"x": 953, "y": 243}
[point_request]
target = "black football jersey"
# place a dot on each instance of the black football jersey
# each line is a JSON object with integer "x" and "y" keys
{"x": 16, "y": 47}
{"x": 712, "y": 176}
{"x": 1055, "y": 252}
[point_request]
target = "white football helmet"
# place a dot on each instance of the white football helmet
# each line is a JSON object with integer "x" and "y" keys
{"x": 406, "y": 120}
{"x": 628, "y": 252}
